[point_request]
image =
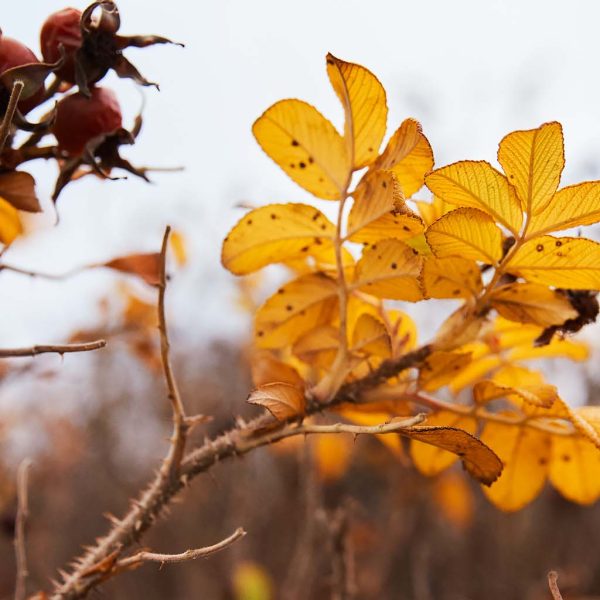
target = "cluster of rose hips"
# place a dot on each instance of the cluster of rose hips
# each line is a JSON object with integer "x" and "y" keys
{"x": 78, "y": 49}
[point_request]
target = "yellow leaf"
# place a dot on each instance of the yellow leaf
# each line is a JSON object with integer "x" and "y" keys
{"x": 543, "y": 394}
{"x": 409, "y": 155}
{"x": 533, "y": 161}
{"x": 10, "y": 223}
{"x": 455, "y": 499}
{"x": 252, "y": 582}
{"x": 282, "y": 400}
{"x": 525, "y": 454}
{"x": 379, "y": 210}
{"x": 468, "y": 233}
{"x": 371, "y": 337}
{"x": 575, "y": 468}
{"x": 474, "y": 372}
{"x": 318, "y": 347}
{"x": 476, "y": 184}
{"x": 450, "y": 277}
{"x": 573, "y": 206}
{"x": 518, "y": 376}
{"x": 365, "y": 108}
{"x": 403, "y": 332}
{"x": 178, "y": 246}
{"x": 557, "y": 348}
{"x": 275, "y": 233}
{"x": 478, "y": 459}
{"x": 296, "y": 308}
{"x": 432, "y": 211}
{"x": 265, "y": 368}
{"x": 532, "y": 303}
{"x": 440, "y": 368}
{"x": 389, "y": 269}
{"x": 332, "y": 455}
{"x": 306, "y": 146}
{"x": 431, "y": 460}
{"x": 460, "y": 328}
{"x": 572, "y": 263}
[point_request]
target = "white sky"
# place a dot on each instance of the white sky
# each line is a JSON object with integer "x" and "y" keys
{"x": 470, "y": 71}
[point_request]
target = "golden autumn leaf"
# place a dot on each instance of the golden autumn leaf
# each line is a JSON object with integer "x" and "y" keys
{"x": 282, "y": 400}
{"x": 371, "y": 337}
{"x": 533, "y": 161}
{"x": 439, "y": 368}
{"x": 450, "y": 277}
{"x": 365, "y": 108}
{"x": 454, "y": 498}
{"x": 542, "y": 394}
{"x": 476, "y": 184}
{"x": 265, "y": 368}
{"x": 525, "y": 454}
{"x": 432, "y": 211}
{"x": 468, "y": 233}
{"x": 409, "y": 155}
{"x": 389, "y": 269}
{"x": 460, "y": 328}
{"x": 18, "y": 189}
{"x": 431, "y": 460}
{"x": 572, "y": 263}
{"x": 379, "y": 210}
{"x": 532, "y": 303}
{"x": 275, "y": 233}
{"x": 318, "y": 347}
{"x": 145, "y": 266}
{"x": 306, "y": 146}
{"x": 178, "y": 247}
{"x": 478, "y": 459}
{"x": 575, "y": 468}
{"x": 573, "y": 206}
{"x": 332, "y": 455}
{"x": 403, "y": 331}
{"x": 10, "y": 223}
{"x": 297, "y": 307}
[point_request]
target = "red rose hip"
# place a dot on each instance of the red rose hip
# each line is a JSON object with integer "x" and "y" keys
{"x": 79, "y": 119}
{"x": 62, "y": 28}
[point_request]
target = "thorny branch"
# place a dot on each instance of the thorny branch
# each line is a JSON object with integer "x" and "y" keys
{"x": 51, "y": 349}
{"x": 15, "y": 94}
{"x": 145, "y": 556}
{"x": 240, "y": 440}
{"x": 553, "y": 585}
{"x": 20, "y": 522}
{"x": 170, "y": 466}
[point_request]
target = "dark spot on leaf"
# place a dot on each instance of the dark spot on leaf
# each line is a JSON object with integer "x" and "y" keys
{"x": 394, "y": 266}
{"x": 318, "y": 241}
{"x": 455, "y": 292}
{"x": 374, "y": 247}
{"x": 249, "y": 222}
{"x": 295, "y": 143}
{"x": 566, "y": 458}
{"x": 321, "y": 180}
{"x": 384, "y": 184}
{"x": 415, "y": 251}
{"x": 560, "y": 254}
{"x": 406, "y": 228}
{"x": 558, "y": 243}
{"x": 260, "y": 333}
{"x": 330, "y": 61}
{"x": 542, "y": 461}
{"x": 302, "y": 312}
{"x": 273, "y": 216}
{"x": 302, "y": 165}
{"x": 280, "y": 291}
{"x": 304, "y": 249}
{"x": 311, "y": 160}
{"x": 370, "y": 149}
{"x": 316, "y": 216}
{"x": 323, "y": 227}
{"x": 539, "y": 247}
{"x": 289, "y": 308}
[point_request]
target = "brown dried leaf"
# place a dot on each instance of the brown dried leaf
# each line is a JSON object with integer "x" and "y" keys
{"x": 282, "y": 400}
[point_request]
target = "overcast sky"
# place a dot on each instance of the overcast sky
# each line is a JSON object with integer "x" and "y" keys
{"x": 470, "y": 71}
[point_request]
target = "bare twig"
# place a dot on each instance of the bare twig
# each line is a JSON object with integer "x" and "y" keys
{"x": 21, "y": 520}
{"x": 170, "y": 466}
{"x": 15, "y": 94}
{"x": 553, "y": 585}
{"x": 51, "y": 348}
{"x": 243, "y": 438}
{"x": 145, "y": 556}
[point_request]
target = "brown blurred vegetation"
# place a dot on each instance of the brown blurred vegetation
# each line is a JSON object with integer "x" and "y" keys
{"x": 406, "y": 536}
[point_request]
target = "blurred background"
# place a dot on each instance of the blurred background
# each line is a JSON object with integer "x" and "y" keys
{"x": 96, "y": 425}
